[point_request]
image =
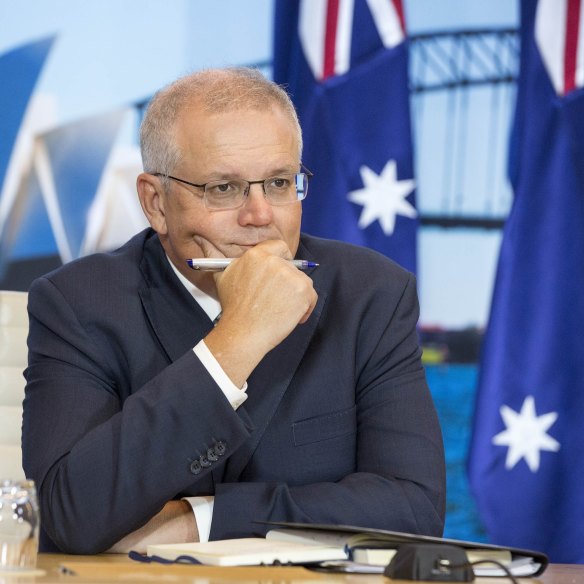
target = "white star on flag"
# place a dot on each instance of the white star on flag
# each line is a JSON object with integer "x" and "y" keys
{"x": 383, "y": 197}
{"x": 525, "y": 434}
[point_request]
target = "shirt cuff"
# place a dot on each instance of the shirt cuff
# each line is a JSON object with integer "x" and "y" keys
{"x": 203, "y": 510}
{"x": 235, "y": 395}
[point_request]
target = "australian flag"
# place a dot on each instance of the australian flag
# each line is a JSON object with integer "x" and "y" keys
{"x": 527, "y": 457}
{"x": 345, "y": 64}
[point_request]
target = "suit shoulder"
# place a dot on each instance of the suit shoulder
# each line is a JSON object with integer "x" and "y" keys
{"x": 99, "y": 269}
{"x": 352, "y": 259}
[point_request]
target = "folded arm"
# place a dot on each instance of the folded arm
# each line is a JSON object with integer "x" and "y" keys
{"x": 397, "y": 478}
{"x": 104, "y": 463}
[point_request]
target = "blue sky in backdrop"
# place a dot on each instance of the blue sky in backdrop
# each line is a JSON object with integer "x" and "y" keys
{"x": 113, "y": 53}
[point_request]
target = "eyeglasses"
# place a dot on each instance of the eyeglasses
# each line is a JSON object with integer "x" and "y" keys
{"x": 283, "y": 189}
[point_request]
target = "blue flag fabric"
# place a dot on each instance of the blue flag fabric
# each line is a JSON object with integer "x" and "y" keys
{"x": 527, "y": 455}
{"x": 345, "y": 64}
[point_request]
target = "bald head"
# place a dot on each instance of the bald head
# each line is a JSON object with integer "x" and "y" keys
{"x": 213, "y": 91}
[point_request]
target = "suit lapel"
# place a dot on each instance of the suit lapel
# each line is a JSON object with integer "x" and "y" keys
{"x": 176, "y": 318}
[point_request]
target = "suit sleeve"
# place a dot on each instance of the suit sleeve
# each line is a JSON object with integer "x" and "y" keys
{"x": 103, "y": 465}
{"x": 399, "y": 478}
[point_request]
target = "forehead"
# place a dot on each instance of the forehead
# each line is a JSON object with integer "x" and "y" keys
{"x": 237, "y": 135}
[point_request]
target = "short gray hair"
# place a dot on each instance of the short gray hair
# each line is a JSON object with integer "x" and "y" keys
{"x": 216, "y": 90}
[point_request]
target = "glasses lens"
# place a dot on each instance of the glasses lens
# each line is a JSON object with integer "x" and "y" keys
{"x": 225, "y": 194}
{"x": 285, "y": 189}
{"x": 301, "y": 185}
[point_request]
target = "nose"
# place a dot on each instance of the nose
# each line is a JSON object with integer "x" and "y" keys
{"x": 256, "y": 209}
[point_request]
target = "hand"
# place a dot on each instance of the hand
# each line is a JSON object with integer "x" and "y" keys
{"x": 175, "y": 523}
{"x": 263, "y": 298}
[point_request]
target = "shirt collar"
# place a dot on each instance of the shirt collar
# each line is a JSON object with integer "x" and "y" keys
{"x": 211, "y": 306}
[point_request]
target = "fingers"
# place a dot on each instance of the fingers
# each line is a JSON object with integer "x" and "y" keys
{"x": 314, "y": 300}
{"x": 262, "y": 274}
{"x": 263, "y": 298}
{"x": 274, "y": 247}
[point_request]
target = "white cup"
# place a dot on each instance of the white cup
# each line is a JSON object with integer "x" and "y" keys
{"x": 19, "y": 525}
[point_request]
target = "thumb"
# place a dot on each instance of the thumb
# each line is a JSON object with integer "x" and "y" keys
{"x": 208, "y": 249}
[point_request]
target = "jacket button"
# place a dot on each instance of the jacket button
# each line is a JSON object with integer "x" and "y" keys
{"x": 212, "y": 455}
{"x": 196, "y": 467}
{"x": 220, "y": 448}
{"x": 205, "y": 463}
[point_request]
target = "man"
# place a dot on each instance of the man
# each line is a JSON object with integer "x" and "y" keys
{"x": 136, "y": 389}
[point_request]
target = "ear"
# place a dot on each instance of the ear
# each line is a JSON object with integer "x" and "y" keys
{"x": 152, "y": 199}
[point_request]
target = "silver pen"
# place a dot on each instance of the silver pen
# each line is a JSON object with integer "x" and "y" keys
{"x": 218, "y": 264}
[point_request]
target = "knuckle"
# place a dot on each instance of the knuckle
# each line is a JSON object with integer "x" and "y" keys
{"x": 304, "y": 286}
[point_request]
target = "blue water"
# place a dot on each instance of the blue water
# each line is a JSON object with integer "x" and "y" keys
{"x": 453, "y": 389}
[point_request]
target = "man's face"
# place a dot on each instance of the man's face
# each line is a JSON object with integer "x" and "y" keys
{"x": 248, "y": 144}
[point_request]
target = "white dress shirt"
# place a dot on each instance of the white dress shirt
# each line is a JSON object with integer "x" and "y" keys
{"x": 203, "y": 506}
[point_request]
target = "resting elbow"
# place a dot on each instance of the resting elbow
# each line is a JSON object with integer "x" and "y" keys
{"x": 72, "y": 541}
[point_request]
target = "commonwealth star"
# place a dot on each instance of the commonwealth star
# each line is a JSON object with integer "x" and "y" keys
{"x": 526, "y": 434}
{"x": 383, "y": 197}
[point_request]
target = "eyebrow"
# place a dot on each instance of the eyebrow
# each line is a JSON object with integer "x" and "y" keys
{"x": 281, "y": 170}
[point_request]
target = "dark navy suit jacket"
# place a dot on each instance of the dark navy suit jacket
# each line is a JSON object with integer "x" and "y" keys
{"x": 120, "y": 416}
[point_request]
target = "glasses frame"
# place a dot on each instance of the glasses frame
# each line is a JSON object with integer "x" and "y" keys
{"x": 303, "y": 170}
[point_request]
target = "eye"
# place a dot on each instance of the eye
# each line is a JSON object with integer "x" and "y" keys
{"x": 279, "y": 183}
{"x": 222, "y": 189}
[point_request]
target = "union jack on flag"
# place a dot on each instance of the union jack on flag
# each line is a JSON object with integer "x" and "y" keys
{"x": 557, "y": 34}
{"x": 345, "y": 64}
